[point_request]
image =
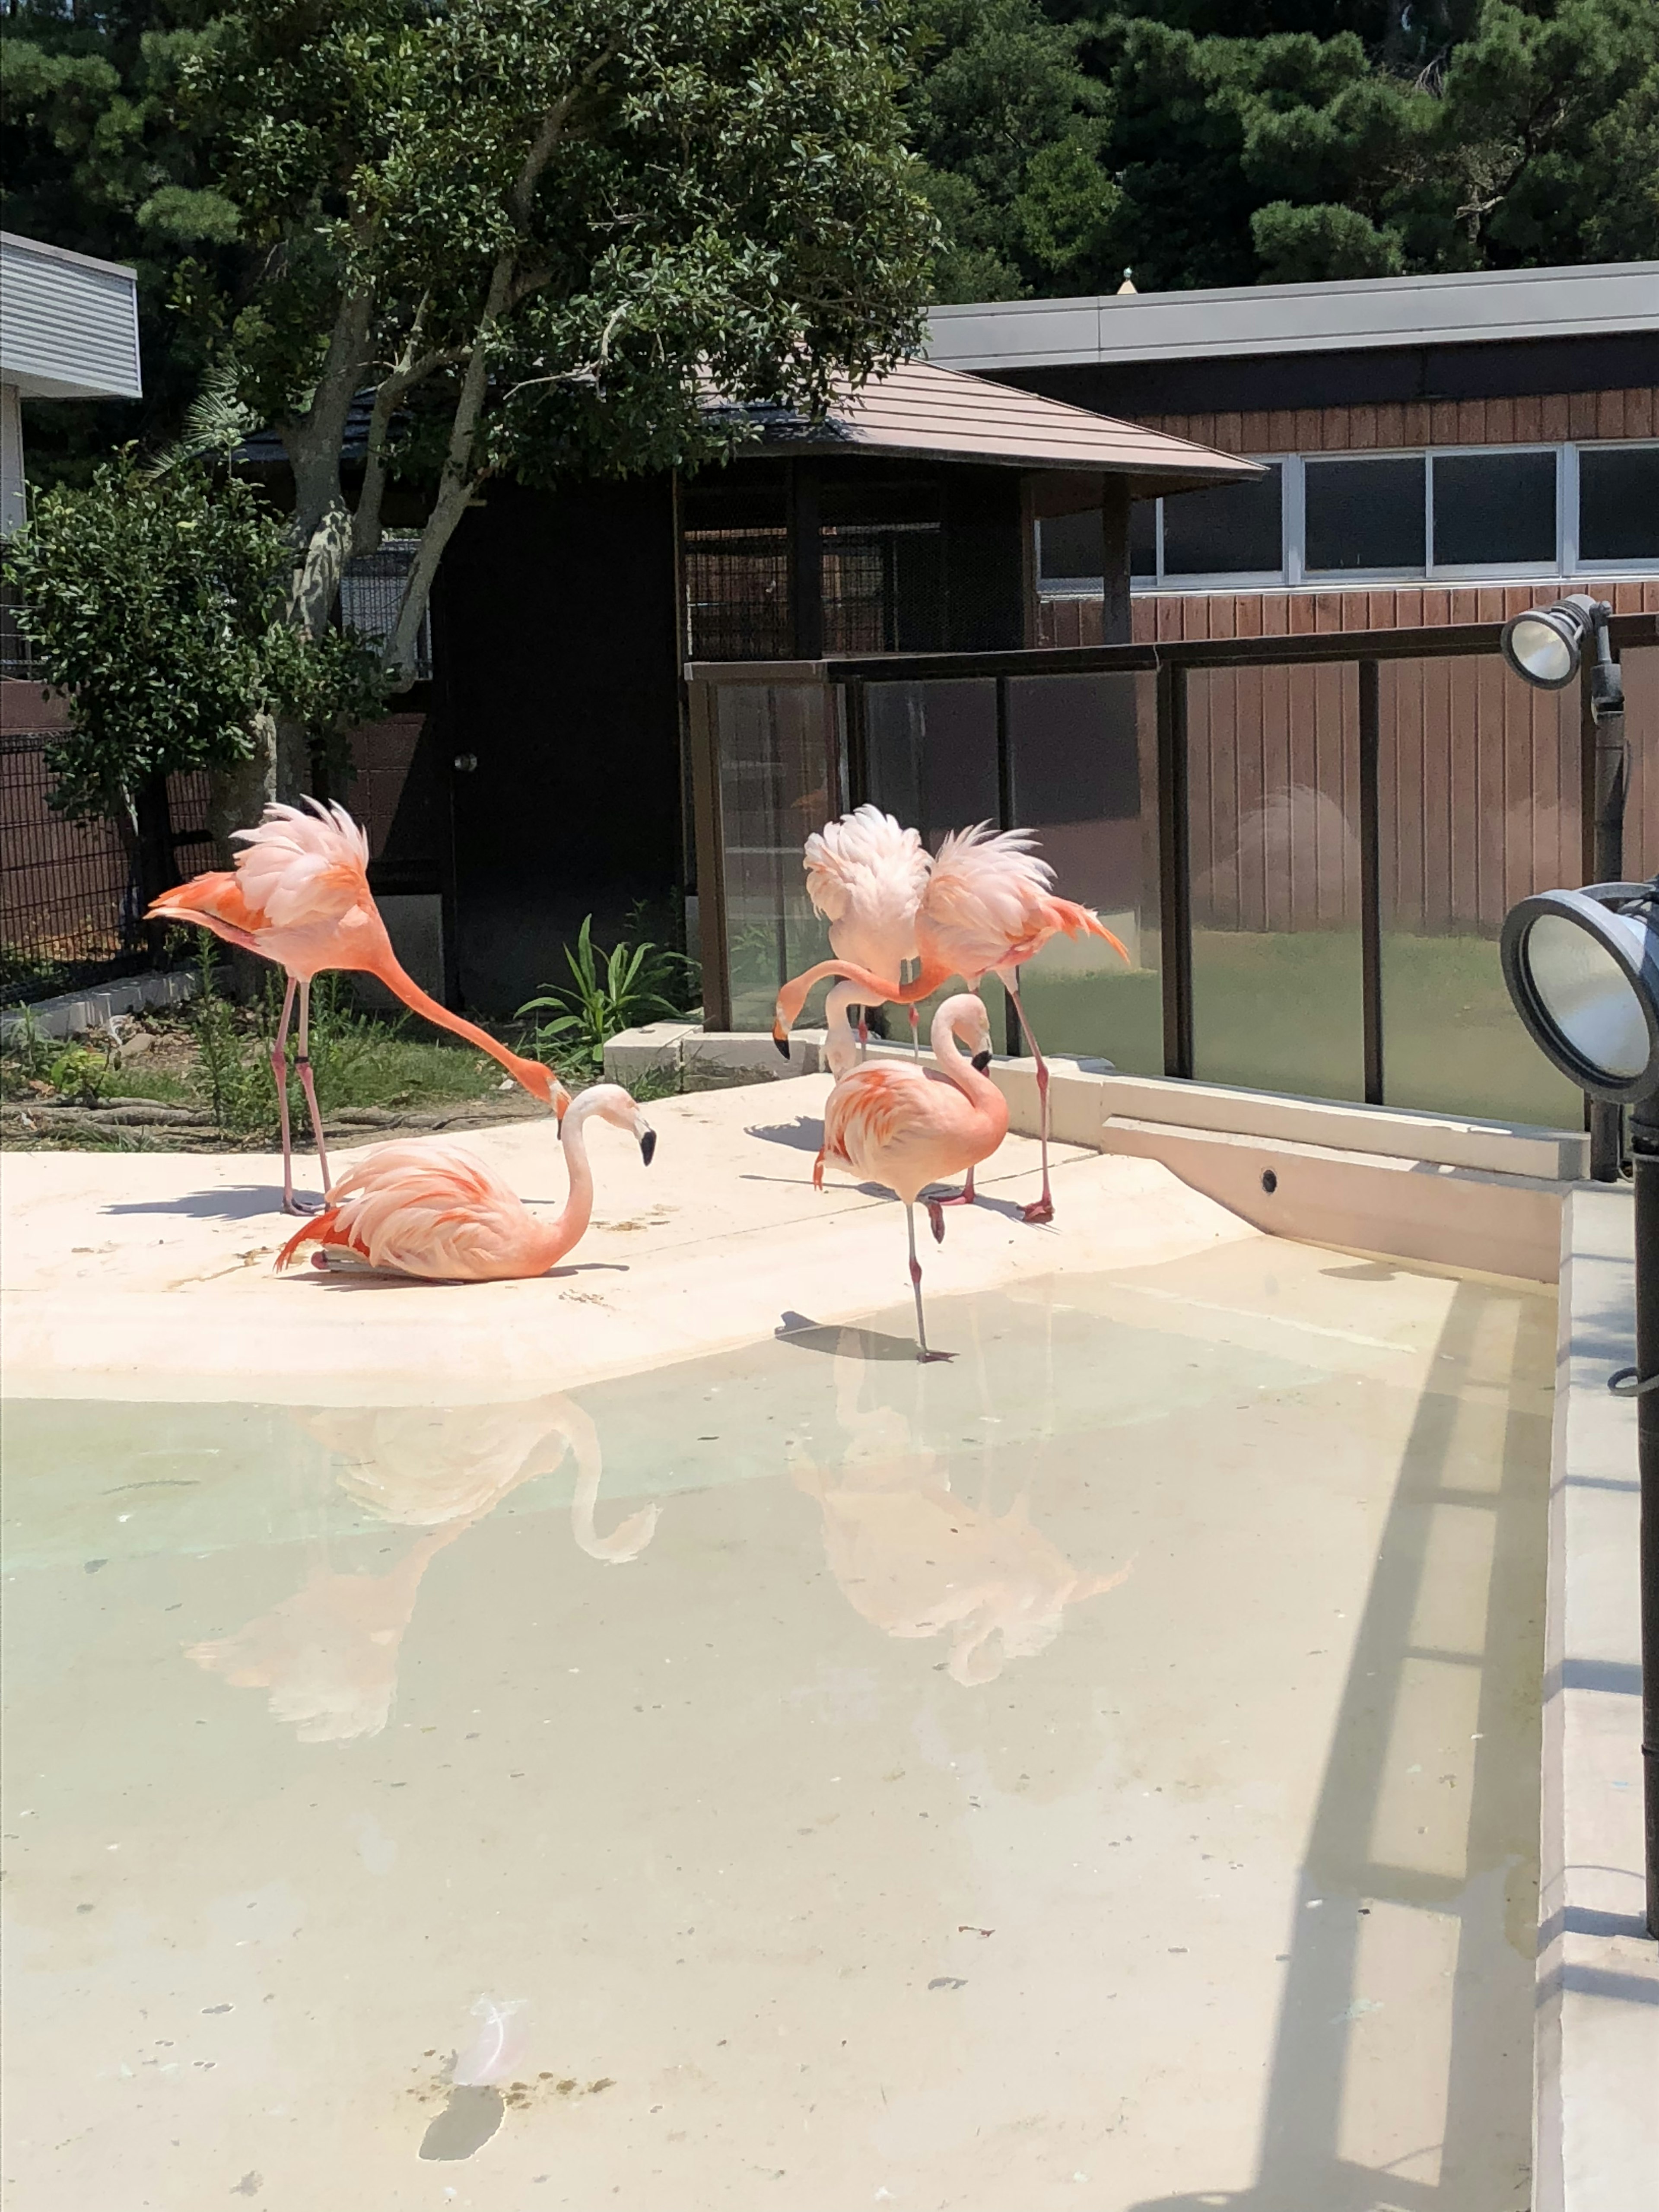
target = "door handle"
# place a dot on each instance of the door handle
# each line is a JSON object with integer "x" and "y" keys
{"x": 465, "y": 763}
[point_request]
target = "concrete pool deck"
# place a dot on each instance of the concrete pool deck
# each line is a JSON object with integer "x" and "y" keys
{"x": 150, "y": 1275}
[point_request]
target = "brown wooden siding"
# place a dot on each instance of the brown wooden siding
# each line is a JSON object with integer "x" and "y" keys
{"x": 1480, "y": 800}
{"x": 1545, "y": 419}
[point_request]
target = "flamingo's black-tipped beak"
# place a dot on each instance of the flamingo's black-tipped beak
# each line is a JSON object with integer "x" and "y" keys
{"x": 649, "y": 1146}
{"x": 981, "y": 1061}
{"x": 782, "y": 1044}
{"x": 558, "y": 1128}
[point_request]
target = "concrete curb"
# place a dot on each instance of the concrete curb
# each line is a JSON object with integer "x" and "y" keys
{"x": 72, "y": 1014}
{"x": 1596, "y": 2023}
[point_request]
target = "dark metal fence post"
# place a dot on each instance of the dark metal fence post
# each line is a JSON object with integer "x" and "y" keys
{"x": 1174, "y": 873}
{"x": 1370, "y": 872}
{"x": 1012, "y": 1043}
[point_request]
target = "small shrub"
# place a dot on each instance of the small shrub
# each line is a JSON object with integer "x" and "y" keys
{"x": 609, "y": 993}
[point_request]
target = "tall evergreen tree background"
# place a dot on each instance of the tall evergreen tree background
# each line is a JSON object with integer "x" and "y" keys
{"x": 1249, "y": 142}
{"x": 1195, "y": 141}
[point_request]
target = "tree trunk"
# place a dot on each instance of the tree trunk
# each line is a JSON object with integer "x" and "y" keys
{"x": 237, "y": 796}
{"x": 293, "y": 763}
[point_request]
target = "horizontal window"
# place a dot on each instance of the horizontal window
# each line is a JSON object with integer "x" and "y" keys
{"x": 1226, "y": 530}
{"x": 1619, "y": 503}
{"x": 1493, "y": 510}
{"x": 1365, "y": 514}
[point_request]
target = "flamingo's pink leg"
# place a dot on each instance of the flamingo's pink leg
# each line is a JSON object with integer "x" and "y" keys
{"x": 915, "y": 1032}
{"x": 963, "y": 1197}
{"x": 279, "y": 1071}
{"x": 1043, "y": 1209}
{"x": 307, "y": 1082}
{"x": 923, "y": 1353}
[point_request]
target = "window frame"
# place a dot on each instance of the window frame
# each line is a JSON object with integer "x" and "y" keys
{"x": 1294, "y": 575}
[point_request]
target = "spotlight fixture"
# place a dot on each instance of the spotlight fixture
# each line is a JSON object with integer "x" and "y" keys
{"x": 1545, "y": 646}
{"x": 1583, "y": 969}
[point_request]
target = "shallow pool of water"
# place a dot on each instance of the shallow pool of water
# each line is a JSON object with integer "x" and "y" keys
{"x": 1099, "y": 1773}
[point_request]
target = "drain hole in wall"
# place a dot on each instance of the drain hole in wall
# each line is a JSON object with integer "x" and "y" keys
{"x": 1269, "y": 1180}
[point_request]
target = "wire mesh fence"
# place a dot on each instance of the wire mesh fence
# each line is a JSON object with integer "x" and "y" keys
{"x": 372, "y": 593}
{"x": 68, "y": 895}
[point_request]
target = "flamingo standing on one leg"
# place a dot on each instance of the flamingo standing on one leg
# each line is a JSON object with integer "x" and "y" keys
{"x": 866, "y": 875}
{"x": 299, "y": 896}
{"x": 989, "y": 907}
{"x": 898, "y": 1124}
{"x": 436, "y": 1211}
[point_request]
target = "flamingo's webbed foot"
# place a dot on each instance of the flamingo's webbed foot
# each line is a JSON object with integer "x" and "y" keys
{"x": 1039, "y": 1211}
{"x": 935, "y": 1218}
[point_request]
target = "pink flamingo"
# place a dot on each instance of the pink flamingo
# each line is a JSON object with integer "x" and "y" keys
{"x": 989, "y": 907}
{"x": 893, "y": 1122}
{"x": 435, "y": 1210}
{"x": 866, "y": 876}
{"x": 299, "y": 896}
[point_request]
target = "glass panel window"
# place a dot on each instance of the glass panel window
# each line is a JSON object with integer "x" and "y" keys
{"x": 1493, "y": 510}
{"x": 1365, "y": 514}
{"x": 1619, "y": 503}
{"x": 779, "y": 779}
{"x": 1226, "y": 530}
{"x": 1084, "y": 762}
{"x": 1274, "y": 841}
{"x": 1070, "y": 545}
{"x": 1478, "y": 806}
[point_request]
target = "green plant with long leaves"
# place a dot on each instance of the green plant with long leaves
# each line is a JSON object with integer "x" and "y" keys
{"x": 608, "y": 993}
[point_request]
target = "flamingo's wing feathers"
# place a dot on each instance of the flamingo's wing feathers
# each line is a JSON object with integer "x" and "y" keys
{"x": 303, "y": 865}
{"x": 866, "y": 875}
{"x": 427, "y": 1209}
{"x": 218, "y": 899}
{"x": 986, "y": 892}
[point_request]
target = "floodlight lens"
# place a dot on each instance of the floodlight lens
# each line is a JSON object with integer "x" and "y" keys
{"x": 1588, "y": 996}
{"x": 1541, "y": 650}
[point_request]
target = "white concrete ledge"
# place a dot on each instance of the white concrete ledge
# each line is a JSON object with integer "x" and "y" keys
{"x": 1596, "y": 2026}
{"x": 72, "y": 1014}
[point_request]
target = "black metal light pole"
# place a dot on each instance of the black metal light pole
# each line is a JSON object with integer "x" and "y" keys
{"x": 1582, "y": 970}
{"x": 1545, "y": 646}
{"x": 1644, "y": 1383}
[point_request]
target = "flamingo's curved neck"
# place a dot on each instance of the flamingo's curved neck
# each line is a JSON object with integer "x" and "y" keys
{"x": 577, "y": 1209}
{"x": 952, "y": 1062}
{"x": 385, "y": 969}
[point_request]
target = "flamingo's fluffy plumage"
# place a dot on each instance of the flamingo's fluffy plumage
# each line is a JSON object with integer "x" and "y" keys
{"x": 434, "y": 1210}
{"x": 866, "y": 875}
{"x": 899, "y": 1124}
{"x": 991, "y": 905}
{"x": 299, "y": 866}
{"x": 299, "y": 896}
{"x": 428, "y": 1209}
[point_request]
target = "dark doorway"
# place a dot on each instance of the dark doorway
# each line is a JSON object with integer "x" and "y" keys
{"x": 558, "y": 728}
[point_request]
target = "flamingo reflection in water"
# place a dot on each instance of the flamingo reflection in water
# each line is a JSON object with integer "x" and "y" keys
{"x": 916, "y": 1561}
{"x": 328, "y": 1654}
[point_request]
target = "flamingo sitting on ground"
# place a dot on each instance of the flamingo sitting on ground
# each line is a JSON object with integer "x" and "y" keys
{"x": 893, "y": 1122}
{"x": 435, "y": 1210}
{"x": 299, "y": 896}
{"x": 989, "y": 907}
{"x": 866, "y": 875}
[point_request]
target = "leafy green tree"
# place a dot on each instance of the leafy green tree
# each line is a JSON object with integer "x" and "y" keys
{"x": 156, "y": 604}
{"x": 542, "y": 233}
{"x": 1283, "y": 140}
{"x": 92, "y": 158}
{"x": 1014, "y": 136}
